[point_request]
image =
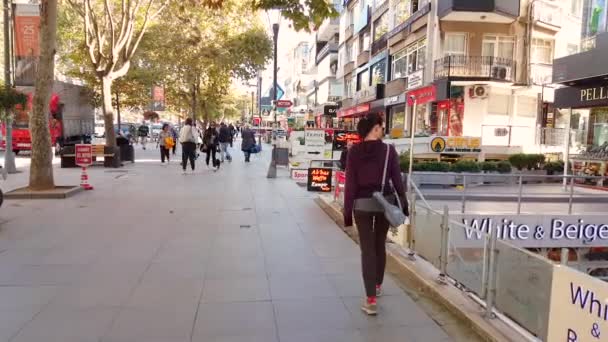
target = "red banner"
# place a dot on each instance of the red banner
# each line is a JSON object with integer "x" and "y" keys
{"x": 27, "y": 34}
{"x": 358, "y": 109}
{"x": 422, "y": 95}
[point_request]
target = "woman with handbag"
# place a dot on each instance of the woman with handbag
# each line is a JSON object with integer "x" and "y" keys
{"x": 372, "y": 167}
{"x": 165, "y": 143}
{"x": 210, "y": 145}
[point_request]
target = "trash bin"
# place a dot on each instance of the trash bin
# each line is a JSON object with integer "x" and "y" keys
{"x": 127, "y": 153}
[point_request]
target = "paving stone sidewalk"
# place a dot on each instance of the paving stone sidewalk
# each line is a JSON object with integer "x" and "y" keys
{"x": 154, "y": 256}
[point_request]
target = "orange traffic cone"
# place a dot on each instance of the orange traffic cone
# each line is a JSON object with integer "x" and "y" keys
{"x": 84, "y": 180}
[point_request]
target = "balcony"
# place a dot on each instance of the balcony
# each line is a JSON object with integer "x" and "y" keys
{"x": 482, "y": 68}
{"x": 379, "y": 9}
{"x": 328, "y": 29}
{"x": 348, "y": 68}
{"x": 348, "y": 33}
{"x": 489, "y": 11}
{"x": 327, "y": 49}
{"x": 541, "y": 73}
{"x": 363, "y": 58}
{"x": 379, "y": 44}
{"x": 548, "y": 15}
{"x": 395, "y": 87}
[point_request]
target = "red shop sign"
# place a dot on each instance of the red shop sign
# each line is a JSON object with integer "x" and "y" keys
{"x": 422, "y": 95}
{"x": 358, "y": 109}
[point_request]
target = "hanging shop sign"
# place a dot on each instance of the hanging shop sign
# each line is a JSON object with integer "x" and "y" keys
{"x": 342, "y": 138}
{"x": 299, "y": 175}
{"x": 355, "y": 110}
{"x": 460, "y": 145}
{"x": 533, "y": 231}
{"x": 422, "y": 95}
{"x": 582, "y": 96}
{"x": 415, "y": 79}
{"x": 319, "y": 179}
{"x": 578, "y": 310}
{"x": 330, "y": 110}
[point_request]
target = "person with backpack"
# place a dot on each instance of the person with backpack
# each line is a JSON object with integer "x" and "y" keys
{"x": 370, "y": 164}
{"x": 210, "y": 145}
{"x": 165, "y": 142}
{"x": 187, "y": 137}
{"x": 248, "y": 143}
{"x": 225, "y": 139}
{"x": 142, "y": 132}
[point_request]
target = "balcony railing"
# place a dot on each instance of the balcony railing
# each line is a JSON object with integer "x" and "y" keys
{"x": 379, "y": 44}
{"x": 482, "y": 67}
{"x": 330, "y": 47}
{"x": 348, "y": 68}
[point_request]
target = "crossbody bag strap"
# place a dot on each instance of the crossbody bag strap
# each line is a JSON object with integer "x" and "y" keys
{"x": 385, "y": 169}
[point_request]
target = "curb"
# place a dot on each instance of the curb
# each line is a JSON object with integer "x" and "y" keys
{"x": 453, "y": 299}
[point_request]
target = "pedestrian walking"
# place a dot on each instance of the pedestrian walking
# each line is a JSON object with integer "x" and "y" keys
{"x": 142, "y": 132}
{"x": 210, "y": 145}
{"x": 175, "y": 137}
{"x": 165, "y": 143}
{"x": 187, "y": 137}
{"x": 248, "y": 142}
{"x": 364, "y": 173}
{"x": 233, "y": 131}
{"x": 225, "y": 139}
{"x": 132, "y": 134}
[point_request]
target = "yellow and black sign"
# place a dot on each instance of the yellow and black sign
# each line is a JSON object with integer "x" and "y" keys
{"x": 438, "y": 144}
{"x": 456, "y": 145}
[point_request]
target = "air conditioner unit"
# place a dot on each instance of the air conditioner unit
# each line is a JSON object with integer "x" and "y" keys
{"x": 499, "y": 73}
{"x": 479, "y": 91}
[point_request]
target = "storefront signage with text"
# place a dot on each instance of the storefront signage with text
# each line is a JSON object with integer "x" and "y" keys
{"x": 319, "y": 179}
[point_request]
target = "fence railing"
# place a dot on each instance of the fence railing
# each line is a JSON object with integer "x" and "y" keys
{"x": 518, "y": 189}
{"x": 487, "y": 67}
{"x": 509, "y": 281}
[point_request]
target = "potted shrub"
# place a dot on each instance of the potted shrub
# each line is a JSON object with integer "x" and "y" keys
{"x": 434, "y": 173}
{"x": 554, "y": 168}
{"x": 467, "y": 166}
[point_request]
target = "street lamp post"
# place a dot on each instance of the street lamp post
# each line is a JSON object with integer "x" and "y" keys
{"x": 272, "y": 168}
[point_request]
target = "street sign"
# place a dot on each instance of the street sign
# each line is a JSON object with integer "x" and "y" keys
{"x": 84, "y": 154}
{"x": 284, "y": 103}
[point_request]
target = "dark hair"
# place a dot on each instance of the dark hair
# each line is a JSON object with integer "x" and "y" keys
{"x": 189, "y": 121}
{"x": 165, "y": 125}
{"x": 368, "y": 123}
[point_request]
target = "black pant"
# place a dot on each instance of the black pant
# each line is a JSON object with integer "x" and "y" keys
{"x": 211, "y": 151}
{"x": 188, "y": 153}
{"x": 164, "y": 153}
{"x": 247, "y": 155}
{"x": 174, "y": 147}
{"x": 372, "y": 228}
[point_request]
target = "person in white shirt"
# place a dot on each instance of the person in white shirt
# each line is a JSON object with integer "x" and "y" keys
{"x": 187, "y": 137}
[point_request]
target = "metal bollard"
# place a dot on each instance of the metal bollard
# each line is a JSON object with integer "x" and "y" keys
{"x": 571, "y": 196}
{"x": 443, "y": 254}
{"x": 464, "y": 193}
{"x": 521, "y": 186}
{"x": 411, "y": 236}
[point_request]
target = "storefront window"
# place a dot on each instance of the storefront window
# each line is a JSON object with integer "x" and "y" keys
{"x": 398, "y": 117}
{"x": 379, "y": 72}
{"x": 598, "y": 126}
{"x": 422, "y": 121}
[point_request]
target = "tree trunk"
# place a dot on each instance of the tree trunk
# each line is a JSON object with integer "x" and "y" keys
{"x": 108, "y": 111}
{"x": 41, "y": 170}
{"x": 194, "y": 102}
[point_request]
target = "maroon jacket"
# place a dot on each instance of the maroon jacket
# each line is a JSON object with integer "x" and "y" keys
{"x": 364, "y": 169}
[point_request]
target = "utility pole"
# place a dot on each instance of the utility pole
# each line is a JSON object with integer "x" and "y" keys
{"x": 9, "y": 156}
{"x": 272, "y": 169}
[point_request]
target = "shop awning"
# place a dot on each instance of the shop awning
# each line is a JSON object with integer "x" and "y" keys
{"x": 354, "y": 110}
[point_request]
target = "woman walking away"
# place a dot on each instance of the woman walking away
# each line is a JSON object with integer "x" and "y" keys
{"x": 188, "y": 140}
{"x": 210, "y": 144}
{"x": 364, "y": 172}
{"x": 165, "y": 142}
{"x": 248, "y": 142}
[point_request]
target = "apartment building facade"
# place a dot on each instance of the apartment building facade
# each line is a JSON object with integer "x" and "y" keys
{"x": 477, "y": 68}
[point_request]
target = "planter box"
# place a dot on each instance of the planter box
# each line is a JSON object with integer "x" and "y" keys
{"x": 529, "y": 180}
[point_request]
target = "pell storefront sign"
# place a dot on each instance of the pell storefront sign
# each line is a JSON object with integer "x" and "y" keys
{"x": 393, "y": 100}
{"x": 582, "y": 96}
{"x": 319, "y": 179}
{"x": 532, "y": 231}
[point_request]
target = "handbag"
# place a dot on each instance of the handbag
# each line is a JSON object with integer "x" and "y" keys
{"x": 393, "y": 213}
